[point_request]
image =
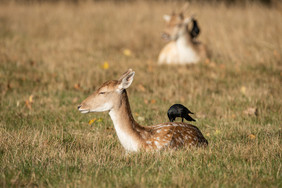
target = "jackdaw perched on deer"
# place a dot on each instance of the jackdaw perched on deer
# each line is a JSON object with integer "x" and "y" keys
{"x": 178, "y": 110}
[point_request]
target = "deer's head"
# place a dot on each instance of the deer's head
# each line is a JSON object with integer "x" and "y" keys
{"x": 108, "y": 95}
{"x": 176, "y": 24}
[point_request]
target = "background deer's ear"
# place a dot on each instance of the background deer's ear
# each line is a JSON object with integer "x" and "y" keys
{"x": 166, "y": 17}
{"x": 126, "y": 80}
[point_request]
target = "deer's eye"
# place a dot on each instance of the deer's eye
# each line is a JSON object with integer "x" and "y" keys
{"x": 101, "y": 93}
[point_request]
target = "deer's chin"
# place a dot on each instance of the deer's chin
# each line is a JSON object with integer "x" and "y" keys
{"x": 84, "y": 111}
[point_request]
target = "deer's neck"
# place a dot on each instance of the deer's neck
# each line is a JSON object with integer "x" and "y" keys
{"x": 184, "y": 40}
{"x": 186, "y": 48}
{"x": 125, "y": 125}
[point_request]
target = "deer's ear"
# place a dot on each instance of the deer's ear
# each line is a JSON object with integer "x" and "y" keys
{"x": 124, "y": 74}
{"x": 126, "y": 79}
{"x": 166, "y": 17}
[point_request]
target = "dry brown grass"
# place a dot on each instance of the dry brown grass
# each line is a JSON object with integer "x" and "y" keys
{"x": 46, "y": 50}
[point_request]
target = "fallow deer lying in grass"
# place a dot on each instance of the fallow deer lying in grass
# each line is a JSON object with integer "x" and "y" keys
{"x": 183, "y": 48}
{"x": 112, "y": 97}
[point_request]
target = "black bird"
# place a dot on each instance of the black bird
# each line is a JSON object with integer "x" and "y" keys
{"x": 178, "y": 110}
{"x": 195, "y": 31}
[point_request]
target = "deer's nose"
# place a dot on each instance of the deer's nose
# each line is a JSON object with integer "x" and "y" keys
{"x": 78, "y": 107}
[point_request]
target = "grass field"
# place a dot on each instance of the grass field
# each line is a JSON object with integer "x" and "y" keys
{"x": 52, "y": 56}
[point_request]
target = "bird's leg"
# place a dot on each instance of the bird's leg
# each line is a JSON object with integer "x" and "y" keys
{"x": 182, "y": 119}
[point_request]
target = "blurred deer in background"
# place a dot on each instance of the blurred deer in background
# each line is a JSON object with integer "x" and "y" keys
{"x": 183, "y": 47}
{"x": 112, "y": 97}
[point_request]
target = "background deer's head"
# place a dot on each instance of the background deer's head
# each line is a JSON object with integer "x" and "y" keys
{"x": 176, "y": 24}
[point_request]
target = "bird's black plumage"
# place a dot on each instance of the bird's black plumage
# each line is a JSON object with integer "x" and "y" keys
{"x": 178, "y": 110}
{"x": 195, "y": 31}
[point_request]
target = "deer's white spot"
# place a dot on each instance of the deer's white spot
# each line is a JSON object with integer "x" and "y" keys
{"x": 148, "y": 142}
{"x": 143, "y": 136}
{"x": 157, "y": 144}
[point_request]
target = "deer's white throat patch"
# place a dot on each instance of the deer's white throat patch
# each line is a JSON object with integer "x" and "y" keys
{"x": 186, "y": 53}
{"x": 128, "y": 141}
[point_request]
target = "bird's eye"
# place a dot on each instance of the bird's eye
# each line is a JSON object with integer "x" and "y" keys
{"x": 101, "y": 93}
